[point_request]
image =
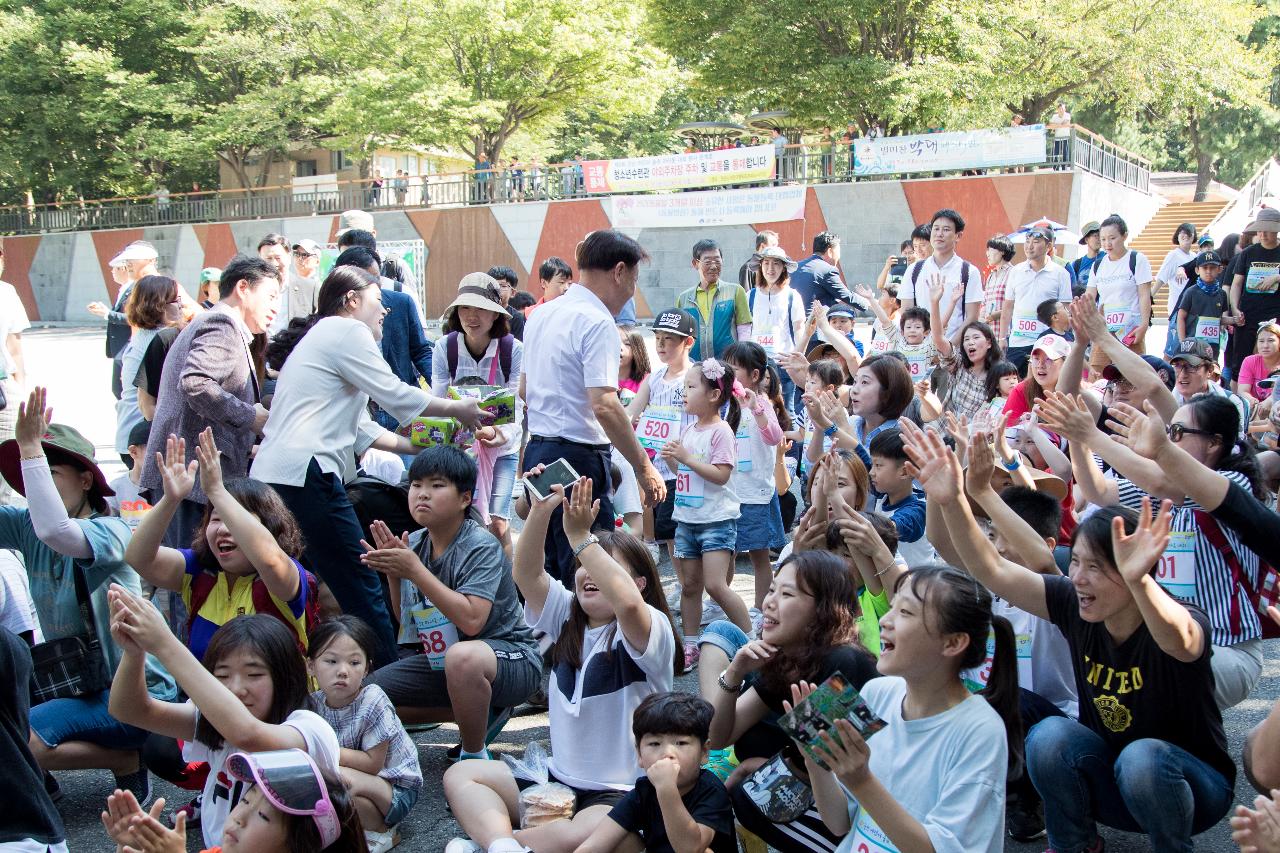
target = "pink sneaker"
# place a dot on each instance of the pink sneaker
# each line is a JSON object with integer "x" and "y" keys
{"x": 691, "y": 655}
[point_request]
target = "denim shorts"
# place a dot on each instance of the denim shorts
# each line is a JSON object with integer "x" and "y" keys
{"x": 725, "y": 636}
{"x": 694, "y": 540}
{"x": 59, "y": 721}
{"x": 504, "y": 482}
{"x": 760, "y": 527}
{"x": 402, "y": 799}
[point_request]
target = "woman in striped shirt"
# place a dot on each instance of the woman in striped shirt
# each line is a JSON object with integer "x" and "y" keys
{"x": 1205, "y": 563}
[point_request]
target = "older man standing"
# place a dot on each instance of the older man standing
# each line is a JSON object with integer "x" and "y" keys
{"x": 210, "y": 379}
{"x": 570, "y": 383}
{"x": 136, "y": 260}
{"x": 720, "y": 307}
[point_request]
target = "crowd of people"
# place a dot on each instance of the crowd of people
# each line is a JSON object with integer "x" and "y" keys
{"x": 1041, "y": 556}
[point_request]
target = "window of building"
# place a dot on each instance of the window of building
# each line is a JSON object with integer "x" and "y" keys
{"x": 306, "y": 169}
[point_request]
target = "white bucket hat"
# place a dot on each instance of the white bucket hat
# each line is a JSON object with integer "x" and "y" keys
{"x": 138, "y": 250}
{"x": 478, "y": 290}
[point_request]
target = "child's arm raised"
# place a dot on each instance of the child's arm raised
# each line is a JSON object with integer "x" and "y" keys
{"x": 616, "y": 584}
{"x": 141, "y": 623}
{"x": 275, "y": 567}
{"x": 527, "y": 567}
{"x": 1035, "y": 554}
{"x": 157, "y": 564}
{"x": 129, "y": 701}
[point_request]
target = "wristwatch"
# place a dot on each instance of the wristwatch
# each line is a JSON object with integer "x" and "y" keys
{"x": 830, "y": 431}
{"x": 1013, "y": 465}
{"x": 586, "y": 543}
{"x": 724, "y": 685}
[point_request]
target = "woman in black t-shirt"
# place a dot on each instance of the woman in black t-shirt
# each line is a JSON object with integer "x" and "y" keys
{"x": 1148, "y": 754}
{"x": 809, "y": 633}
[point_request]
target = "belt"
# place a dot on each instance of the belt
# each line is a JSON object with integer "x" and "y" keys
{"x": 603, "y": 448}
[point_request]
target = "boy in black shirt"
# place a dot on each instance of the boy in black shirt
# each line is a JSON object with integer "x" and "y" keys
{"x": 676, "y": 802}
{"x": 1204, "y": 306}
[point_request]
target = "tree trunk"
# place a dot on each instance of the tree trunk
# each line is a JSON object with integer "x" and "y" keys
{"x": 1205, "y": 171}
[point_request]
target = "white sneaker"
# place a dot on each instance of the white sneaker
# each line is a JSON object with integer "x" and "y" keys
{"x": 712, "y": 612}
{"x": 381, "y": 842}
{"x": 757, "y": 619}
{"x": 655, "y": 551}
{"x": 460, "y": 845}
{"x": 673, "y": 597}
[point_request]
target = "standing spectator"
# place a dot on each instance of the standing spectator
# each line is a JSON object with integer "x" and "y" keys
{"x": 207, "y": 289}
{"x": 1060, "y": 124}
{"x": 299, "y": 297}
{"x": 134, "y": 261}
{"x": 162, "y": 202}
{"x": 156, "y": 304}
{"x": 747, "y": 272}
{"x": 393, "y": 266}
{"x": 393, "y": 273}
{"x": 13, "y": 322}
{"x": 782, "y": 167}
{"x": 1173, "y": 276}
{"x": 827, "y": 146}
{"x": 1255, "y": 286}
{"x": 211, "y": 380}
{"x": 945, "y": 230}
{"x": 508, "y": 284}
{"x": 818, "y": 276}
{"x": 401, "y": 186}
{"x": 554, "y": 276}
{"x": 376, "y": 182}
{"x": 1030, "y": 283}
{"x": 570, "y": 383}
{"x": 1000, "y": 253}
{"x": 1121, "y": 283}
{"x": 720, "y": 307}
{"x": 1082, "y": 267}
{"x": 274, "y": 249}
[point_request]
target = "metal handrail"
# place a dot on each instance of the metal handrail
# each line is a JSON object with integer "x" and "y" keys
{"x": 801, "y": 163}
{"x": 1265, "y": 181}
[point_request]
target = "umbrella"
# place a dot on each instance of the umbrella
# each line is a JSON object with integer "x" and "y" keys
{"x": 1061, "y": 233}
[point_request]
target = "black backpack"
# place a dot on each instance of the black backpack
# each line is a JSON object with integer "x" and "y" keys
{"x": 378, "y": 500}
{"x": 919, "y": 265}
{"x": 506, "y": 344}
{"x": 1097, "y": 262}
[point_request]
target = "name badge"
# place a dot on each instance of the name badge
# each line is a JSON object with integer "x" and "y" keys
{"x": 1117, "y": 317}
{"x": 1026, "y": 330}
{"x": 868, "y": 837}
{"x": 1209, "y": 329}
{"x": 766, "y": 340}
{"x": 690, "y": 488}
{"x": 743, "y": 437}
{"x": 1176, "y": 571}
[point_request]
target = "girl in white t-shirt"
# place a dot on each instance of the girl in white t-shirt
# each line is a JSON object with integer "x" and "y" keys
{"x": 615, "y": 627}
{"x": 248, "y": 696}
{"x": 934, "y": 776}
{"x": 706, "y": 507}
{"x": 1121, "y": 284}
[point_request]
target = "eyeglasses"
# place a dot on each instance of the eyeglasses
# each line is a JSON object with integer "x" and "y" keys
{"x": 299, "y": 253}
{"x": 1181, "y": 366}
{"x": 1119, "y": 385}
{"x": 1177, "y": 431}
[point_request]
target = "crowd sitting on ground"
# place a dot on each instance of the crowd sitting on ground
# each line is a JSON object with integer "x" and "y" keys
{"x": 1009, "y": 568}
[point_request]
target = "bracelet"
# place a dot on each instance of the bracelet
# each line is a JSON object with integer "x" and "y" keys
{"x": 885, "y": 569}
{"x": 1014, "y": 465}
{"x": 830, "y": 431}
{"x": 586, "y": 543}
{"x": 724, "y": 685}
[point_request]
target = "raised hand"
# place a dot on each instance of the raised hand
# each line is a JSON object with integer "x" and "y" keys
{"x": 937, "y": 468}
{"x": 863, "y": 291}
{"x": 210, "y": 463}
{"x": 937, "y": 286}
{"x": 579, "y": 511}
{"x": 177, "y": 474}
{"x": 847, "y": 754}
{"x": 1087, "y": 320}
{"x": 138, "y": 619}
{"x": 1138, "y": 552}
{"x": 152, "y": 836}
{"x": 832, "y": 411}
{"x": 1067, "y": 415}
{"x": 1142, "y": 432}
{"x": 542, "y": 506}
{"x": 982, "y": 463}
{"x": 122, "y": 809}
{"x": 33, "y": 423}
{"x": 958, "y": 429}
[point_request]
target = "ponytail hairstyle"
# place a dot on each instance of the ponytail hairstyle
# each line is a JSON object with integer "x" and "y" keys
{"x": 999, "y": 371}
{"x": 751, "y": 357}
{"x": 338, "y": 285}
{"x": 724, "y": 383}
{"x": 1219, "y": 416}
{"x": 955, "y": 603}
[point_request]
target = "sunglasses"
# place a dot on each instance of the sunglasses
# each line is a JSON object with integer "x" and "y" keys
{"x": 1177, "y": 431}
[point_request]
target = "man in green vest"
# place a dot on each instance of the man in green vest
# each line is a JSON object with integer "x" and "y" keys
{"x": 720, "y": 307}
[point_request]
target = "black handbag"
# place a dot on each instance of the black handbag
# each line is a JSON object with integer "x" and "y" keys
{"x": 71, "y": 667}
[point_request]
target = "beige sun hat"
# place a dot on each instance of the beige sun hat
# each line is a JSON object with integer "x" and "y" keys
{"x": 478, "y": 290}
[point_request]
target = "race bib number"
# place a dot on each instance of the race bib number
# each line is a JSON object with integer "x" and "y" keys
{"x": 436, "y": 633}
{"x": 1026, "y": 330}
{"x": 657, "y": 426}
{"x": 976, "y": 679}
{"x": 767, "y": 342}
{"x": 918, "y": 358}
{"x": 880, "y": 345}
{"x": 868, "y": 837}
{"x": 690, "y": 488}
{"x": 1176, "y": 571}
{"x": 1118, "y": 318}
{"x": 1209, "y": 329}
{"x": 1262, "y": 278}
{"x": 744, "y": 443}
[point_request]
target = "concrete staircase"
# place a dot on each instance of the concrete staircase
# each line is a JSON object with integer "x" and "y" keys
{"x": 1156, "y": 239}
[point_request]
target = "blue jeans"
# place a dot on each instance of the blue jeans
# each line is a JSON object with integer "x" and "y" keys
{"x": 332, "y": 533}
{"x": 1151, "y": 786}
{"x": 59, "y": 721}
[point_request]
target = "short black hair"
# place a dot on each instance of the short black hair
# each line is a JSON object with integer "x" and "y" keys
{"x": 904, "y": 245}
{"x": 763, "y": 238}
{"x": 273, "y": 239}
{"x": 701, "y": 247}
{"x": 521, "y": 300}
{"x": 506, "y": 274}
{"x": 888, "y": 444}
{"x": 1003, "y": 245}
{"x": 604, "y": 249}
{"x": 1041, "y": 511}
{"x": 358, "y": 256}
{"x": 343, "y": 625}
{"x": 672, "y": 714}
{"x": 447, "y": 462}
{"x": 357, "y": 237}
{"x": 1116, "y": 221}
{"x": 250, "y": 268}
{"x": 828, "y": 371}
{"x": 553, "y": 267}
{"x": 1045, "y": 310}
{"x": 947, "y": 213}
{"x": 921, "y": 232}
{"x": 824, "y": 240}
{"x": 915, "y": 312}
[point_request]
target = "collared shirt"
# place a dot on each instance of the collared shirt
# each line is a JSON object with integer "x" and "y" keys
{"x": 720, "y": 309}
{"x": 571, "y": 344}
{"x": 993, "y": 291}
{"x": 1026, "y": 289}
{"x": 917, "y": 278}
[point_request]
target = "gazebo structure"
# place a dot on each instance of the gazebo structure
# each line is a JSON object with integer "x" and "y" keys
{"x": 710, "y": 135}
{"x": 791, "y": 164}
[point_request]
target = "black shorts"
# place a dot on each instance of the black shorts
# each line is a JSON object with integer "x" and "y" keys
{"x": 411, "y": 682}
{"x": 586, "y": 798}
{"x": 664, "y": 528}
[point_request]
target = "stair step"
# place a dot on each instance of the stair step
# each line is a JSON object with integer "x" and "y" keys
{"x": 1156, "y": 239}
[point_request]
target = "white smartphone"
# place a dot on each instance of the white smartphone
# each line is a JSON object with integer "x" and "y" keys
{"x": 558, "y": 473}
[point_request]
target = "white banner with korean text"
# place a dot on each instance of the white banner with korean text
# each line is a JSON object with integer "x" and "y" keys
{"x": 716, "y": 207}
{"x": 943, "y": 152}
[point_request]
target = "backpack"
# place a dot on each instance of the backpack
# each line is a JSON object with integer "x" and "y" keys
{"x": 1097, "y": 262}
{"x": 506, "y": 344}
{"x": 377, "y": 500}
{"x": 791, "y": 329}
{"x": 1268, "y": 591}
{"x": 203, "y": 583}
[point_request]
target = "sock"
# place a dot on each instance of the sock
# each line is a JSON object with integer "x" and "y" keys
{"x": 507, "y": 845}
{"x": 484, "y": 753}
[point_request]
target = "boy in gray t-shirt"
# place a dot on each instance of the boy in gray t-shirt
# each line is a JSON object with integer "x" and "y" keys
{"x": 461, "y": 623}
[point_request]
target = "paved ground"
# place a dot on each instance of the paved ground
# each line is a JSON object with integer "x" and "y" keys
{"x": 71, "y": 363}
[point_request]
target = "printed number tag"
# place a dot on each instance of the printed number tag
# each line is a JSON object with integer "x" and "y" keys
{"x": 1209, "y": 329}
{"x": 690, "y": 488}
{"x": 1026, "y": 330}
{"x": 868, "y": 837}
{"x": 744, "y": 443}
{"x": 1117, "y": 317}
{"x": 657, "y": 426}
{"x": 766, "y": 340}
{"x": 1261, "y": 278}
{"x": 436, "y": 632}
{"x": 880, "y": 345}
{"x": 1176, "y": 571}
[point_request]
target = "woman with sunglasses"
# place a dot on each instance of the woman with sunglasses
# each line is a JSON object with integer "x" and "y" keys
{"x": 1207, "y": 563}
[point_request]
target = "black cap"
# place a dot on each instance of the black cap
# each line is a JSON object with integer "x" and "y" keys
{"x": 1194, "y": 351}
{"x": 675, "y": 321}
{"x": 1208, "y": 257}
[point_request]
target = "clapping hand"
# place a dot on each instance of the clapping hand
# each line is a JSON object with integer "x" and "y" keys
{"x": 1136, "y": 553}
{"x": 674, "y": 453}
{"x": 176, "y": 473}
{"x": 1257, "y": 829}
{"x": 137, "y": 619}
{"x": 122, "y": 809}
{"x": 936, "y": 467}
{"x": 390, "y": 554}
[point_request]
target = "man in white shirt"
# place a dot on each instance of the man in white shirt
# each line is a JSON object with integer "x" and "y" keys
{"x": 570, "y": 383}
{"x": 1031, "y": 282}
{"x": 944, "y": 265}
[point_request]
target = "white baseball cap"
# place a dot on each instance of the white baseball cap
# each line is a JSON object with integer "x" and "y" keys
{"x": 138, "y": 250}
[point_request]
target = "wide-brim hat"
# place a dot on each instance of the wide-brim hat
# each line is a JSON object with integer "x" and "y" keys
{"x": 138, "y": 250}
{"x": 477, "y": 290}
{"x": 777, "y": 254}
{"x": 1089, "y": 228}
{"x": 1268, "y": 219}
{"x": 1043, "y": 481}
{"x": 61, "y": 444}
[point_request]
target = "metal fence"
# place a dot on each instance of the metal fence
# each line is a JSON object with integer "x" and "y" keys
{"x": 801, "y": 164}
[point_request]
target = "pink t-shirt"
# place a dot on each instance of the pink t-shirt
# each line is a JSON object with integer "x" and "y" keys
{"x": 1252, "y": 369}
{"x": 698, "y": 500}
{"x": 1016, "y": 406}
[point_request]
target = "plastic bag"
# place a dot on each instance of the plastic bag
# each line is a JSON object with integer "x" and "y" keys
{"x": 545, "y": 801}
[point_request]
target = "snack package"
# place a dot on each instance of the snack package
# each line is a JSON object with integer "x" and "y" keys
{"x": 495, "y": 399}
{"x": 780, "y": 795}
{"x": 834, "y": 699}
{"x": 430, "y": 432}
{"x": 546, "y": 800}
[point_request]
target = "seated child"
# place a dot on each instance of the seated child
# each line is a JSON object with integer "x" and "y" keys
{"x": 676, "y": 804}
